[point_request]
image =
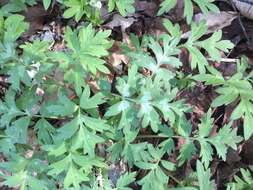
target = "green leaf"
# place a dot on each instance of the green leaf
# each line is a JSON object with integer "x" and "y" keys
{"x": 214, "y": 78}
{"x": 15, "y": 180}
{"x": 9, "y": 109}
{"x": 247, "y": 125}
{"x": 117, "y": 108}
{"x": 186, "y": 152}
{"x": 225, "y": 99}
{"x": 204, "y": 178}
{"x": 56, "y": 149}
{"x": 225, "y": 138}
{"x": 86, "y": 140}
{"x": 213, "y": 44}
{"x": 125, "y": 180}
{"x": 14, "y": 26}
{"x": 206, "y": 124}
{"x": 19, "y": 130}
{"x": 174, "y": 30}
{"x": 204, "y": 5}
{"x": 45, "y": 131}
{"x": 206, "y": 153}
{"x": 146, "y": 165}
{"x": 57, "y": 167}
{"x": 89, "y": 47}
{"x": 167, "y": 54}
{"x": 88, "y": 103}
{"x": 34, "y": 183}
{"x": 63, "y": 107}
{"x": 46, "y": 3}
{"x": 155, "y": 179}
{"x": 168, "y": 165}
{"x": 243, "y": 182}
{"x": 188, "y": 10}
{"x": 68, "y": 130}
{"x": 78, "y": 9}
{"x": 74, "y": 177}
{"x": 166, "y": 6}
{"x": 124, "y": 6}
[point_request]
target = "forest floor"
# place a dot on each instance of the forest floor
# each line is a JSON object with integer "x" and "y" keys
{"x": 50, "y": 26}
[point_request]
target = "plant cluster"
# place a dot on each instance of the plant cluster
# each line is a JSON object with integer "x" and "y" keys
{"x": 53, "y": 122}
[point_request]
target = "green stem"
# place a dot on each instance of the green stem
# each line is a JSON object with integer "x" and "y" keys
{"x": 162, "y": 137}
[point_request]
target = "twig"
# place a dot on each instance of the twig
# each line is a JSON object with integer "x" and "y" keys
{"x": 240, "y": 21}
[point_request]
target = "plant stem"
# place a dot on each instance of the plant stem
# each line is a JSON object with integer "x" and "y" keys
{"x": 162, "y": 137}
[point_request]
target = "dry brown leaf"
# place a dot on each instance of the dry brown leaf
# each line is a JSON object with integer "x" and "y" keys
{"x": 214, "y": 21}
{"x": 245, "y": 7}
{"x": 118, "y": 20}
{"x": 148, "y": 8}
{"x": 117, "y": 57}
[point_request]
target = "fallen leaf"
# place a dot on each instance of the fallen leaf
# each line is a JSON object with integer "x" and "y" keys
{"x": 123, "y": 22}
{"x": 117, "y": 57}
{"x": 245, "y": 7}
{"x": 147, "y": 8}
{"x": 214, "y": 21}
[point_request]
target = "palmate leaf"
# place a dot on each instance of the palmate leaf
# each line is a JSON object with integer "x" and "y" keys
{"x": 87, "y": 102}
{"x": 14, "y": 6}
{"x": 206, "y": 124}
{"x": 204, "y": 178}
{"x": 86, "y": 140}
{"x": 9, "y": 109}
{"x": 124, "y": 6}
{"x": 89, "y": 47}
{"x": 74, "y": 167}
{"x": 167, "y": 54}
{"x": 213, "y": 45}
{"x": 244, "y": 110}
{"x": 75, "y": 76}
{"x": 24, "y": 181}
{"x": 82, "y": 129}
{"x": 230, "y": 90}
{"x": 125, "y": 180}
{"x": 68, "y": 130}
{"x": 204, "y": 5}
{"x": 148, "y": 113}
{"x": 151, "y": 159}
{"x": 15, "y": 165}
{"x": 18, "y": 130}
{"x": 77, "y": 9}
{"x": 117, "y": 108}
{"x": 74, "y": 177}
{"x": 166, "y": 6}
{"x": 17, "y": 75}
{"x": 186, "y": 152}
{"x": 14, "y": 26}
{"x": 63, "y": 107}
{"x": 174, "y": 30}
{"x": 146, "y": 99}
{"x": 206, "y": 153}
{"x": 45, "y": 131}
{"x": 226, "y": 137}
{"x": 155, "y": 179}
{"x": 35, "y": 51}
{"x": 241, "y": 183}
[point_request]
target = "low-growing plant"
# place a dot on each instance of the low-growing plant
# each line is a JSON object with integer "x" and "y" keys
{"x": 64, "y": 121}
